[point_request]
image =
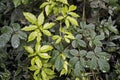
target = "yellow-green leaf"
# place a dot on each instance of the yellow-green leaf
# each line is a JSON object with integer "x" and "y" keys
{"x": 29, "y": 49}
{"x": 33, "y": 61}
{"x": 55, "y": 37}
{"x": 46, "y": 32}
{"x": 73, "y": 14}
{"x": 44, "y": 75}
{"x": 32, "y": 36}
{"x": 72, "y": 8}
{"x": 73, "y": 21}
{"x": 36, "y": 73}
{"x": 37, "y": 47}
{"x": 49, "y": 71}
{"x": 59, "y": 18}
{"x": 44, "y": 4}
{"x": 38, "y": 62}
{"x": 29, "y": 28}
{"x": 30, "y": 17}
{"x": 67, "y": 23}
{"x": 58, "y": 40}
{"x": 48, "y": 25}
{"x": 46, "y": 48}
{"x": 70, "y": 36}
{"x": 33, "y": 67}
{"x": 44, "y": 55}
{"x": 47, "y": 9}
{"x": 67, "y": 40}
{"x": 40, "y": 19}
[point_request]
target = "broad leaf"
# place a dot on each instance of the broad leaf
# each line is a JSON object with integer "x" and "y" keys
{"x": 46, "y": 48}
{"x": 48, "y": 25}
{"x": 32, "y": 36}
{"x": 4, "y": 38}
{"x": 73, "y": 21}
{"x": 6, "y": 29}
{"x": 74, "y": 52}
{"x": 103, "y": 65}
{"x": 38, "y": 62}
{"x": 30, "y": 17}
{"x": 40, "y": 19}
{"x": 72, "y": 8}
{"x": 81, "y": 43}
{"x": 59, "y": 63}
{"x": 29, "y": 49}
{"x": 44, "y": 55}
{"x": 46, "y": 32}
{"x": 15, "y": 26}
{"x": 29, "y": 28}
{"x": 15, "y": 41}
{"x": 73, "y": 14}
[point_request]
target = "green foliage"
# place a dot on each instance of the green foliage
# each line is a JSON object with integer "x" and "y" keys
{"x": 59, "y": 41}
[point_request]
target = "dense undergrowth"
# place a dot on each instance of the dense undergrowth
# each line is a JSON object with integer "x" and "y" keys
{"x": 59, "y": 40}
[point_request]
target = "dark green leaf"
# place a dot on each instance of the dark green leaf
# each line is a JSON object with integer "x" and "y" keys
{"x": 15, "y": 41}
{"x": 93, "y": 63}
{"x": 81, "y": 43}
{"x": 103, "y": 65}
{"x": 74, "y": 52}
{"x": 6, "y": 29}
{"x": 73, "y": 61}
{"x": 4, "y": 38}
{"x": 59, "y": 63}
{"x": 15, "y": 26}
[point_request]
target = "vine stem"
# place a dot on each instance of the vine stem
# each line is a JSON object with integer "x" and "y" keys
{"x": 84, "y": 6}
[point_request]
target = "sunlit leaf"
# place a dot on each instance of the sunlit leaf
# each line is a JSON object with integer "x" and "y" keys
{"x": 40, "y": 19}
{"x": 30, "y": 17}
{"x": 46, "y": 48}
